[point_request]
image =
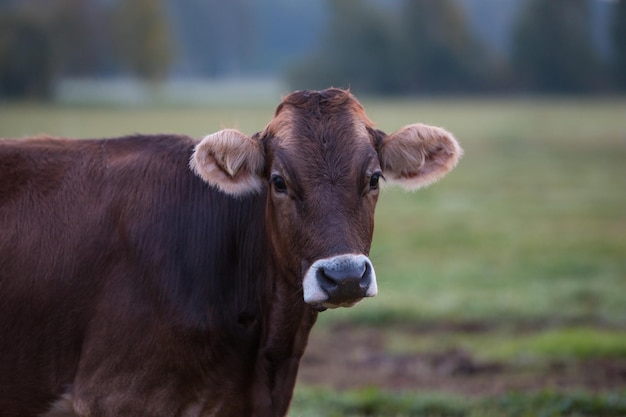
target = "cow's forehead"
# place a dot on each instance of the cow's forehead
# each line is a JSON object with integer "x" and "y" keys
{"x": 318, "y": 118}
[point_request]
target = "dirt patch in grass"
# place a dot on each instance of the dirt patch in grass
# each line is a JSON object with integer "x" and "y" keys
{"x": 353, "y": 357}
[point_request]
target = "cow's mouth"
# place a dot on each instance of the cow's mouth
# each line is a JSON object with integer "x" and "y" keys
{"x": 319, "y": 307}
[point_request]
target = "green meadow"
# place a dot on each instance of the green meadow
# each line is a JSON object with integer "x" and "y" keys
{"x": 516, "y": 259}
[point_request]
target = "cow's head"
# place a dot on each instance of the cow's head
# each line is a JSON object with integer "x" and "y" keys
{"x": 320, "y": 163}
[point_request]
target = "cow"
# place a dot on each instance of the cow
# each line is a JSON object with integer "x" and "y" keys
{"x": 160, "y": 275}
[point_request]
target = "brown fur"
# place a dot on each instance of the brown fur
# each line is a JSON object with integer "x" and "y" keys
{"x": 130, "y": 287}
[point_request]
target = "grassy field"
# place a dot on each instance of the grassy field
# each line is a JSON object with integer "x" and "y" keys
{"x": 515, "y": 262}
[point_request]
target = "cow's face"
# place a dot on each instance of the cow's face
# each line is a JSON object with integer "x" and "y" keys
{"x": 320, "y": 162}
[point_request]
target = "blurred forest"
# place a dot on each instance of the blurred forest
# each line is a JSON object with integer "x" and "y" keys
{"x": 399, "y": 47}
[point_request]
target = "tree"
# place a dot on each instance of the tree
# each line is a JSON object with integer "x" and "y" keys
{"x": 216, "y": 38}
{"x": 79, "y": 31}
{"x": 418, "y": 46}
{"x": 552, "y": 48}
{"x": 26, "y": 57}
{"x": 440, "y": 53}
{"x": 41, "y": 41}
{"x": 618, "y": 36}
{"x": 142, "y": 38}
{"x": 357, "y": 51}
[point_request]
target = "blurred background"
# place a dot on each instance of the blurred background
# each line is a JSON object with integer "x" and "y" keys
{"x": 502, "y": 287}
{"x": 391, "y": 47}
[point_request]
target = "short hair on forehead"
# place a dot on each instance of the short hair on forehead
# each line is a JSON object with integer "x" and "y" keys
{"x": 299, "y": 110}
{"x": 322, "y": 102}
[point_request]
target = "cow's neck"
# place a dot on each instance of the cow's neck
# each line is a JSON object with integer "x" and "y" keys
{"x": 284, "y": 340}
{"x": 269, "y": 309}
{"x": 287, "y": 322}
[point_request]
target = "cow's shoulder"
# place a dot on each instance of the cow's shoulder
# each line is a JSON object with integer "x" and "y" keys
{"x": 38, "y": 164}
{"x": 43, "y": 165}
{"x": 31, "y": 150}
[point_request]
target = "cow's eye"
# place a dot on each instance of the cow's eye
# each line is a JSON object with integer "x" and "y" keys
{"x": 374, "y": 179}
{"x": 280, "y": 186}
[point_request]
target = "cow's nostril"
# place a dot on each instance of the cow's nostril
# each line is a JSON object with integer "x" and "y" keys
{"x": 327, "y": 282}
{"x": 349, "y": 281}
{"x": 346, "y": 275}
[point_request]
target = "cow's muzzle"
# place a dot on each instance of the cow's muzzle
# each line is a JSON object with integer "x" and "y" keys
{"x": 340, "y": 281}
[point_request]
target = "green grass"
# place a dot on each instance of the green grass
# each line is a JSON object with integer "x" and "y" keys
{"x": 373, "y": 402}
{"x": 515, "y": 346}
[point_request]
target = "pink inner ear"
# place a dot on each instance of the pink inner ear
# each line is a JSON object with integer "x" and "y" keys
{"x": 230, "y": 161}
{"x": 437, "y": 158}
{"x": 419, "y": 155}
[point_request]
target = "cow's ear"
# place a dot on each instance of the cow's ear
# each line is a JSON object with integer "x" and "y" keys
{"x": 230, "y": 161}
{"x": 418, "y": 155}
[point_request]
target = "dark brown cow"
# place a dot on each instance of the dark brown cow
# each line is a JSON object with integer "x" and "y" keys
{"x": 134, "y": 285}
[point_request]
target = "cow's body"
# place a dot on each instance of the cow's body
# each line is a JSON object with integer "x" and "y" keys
{"x": 130, "y": 287}
{"x": 102, "y": 250}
